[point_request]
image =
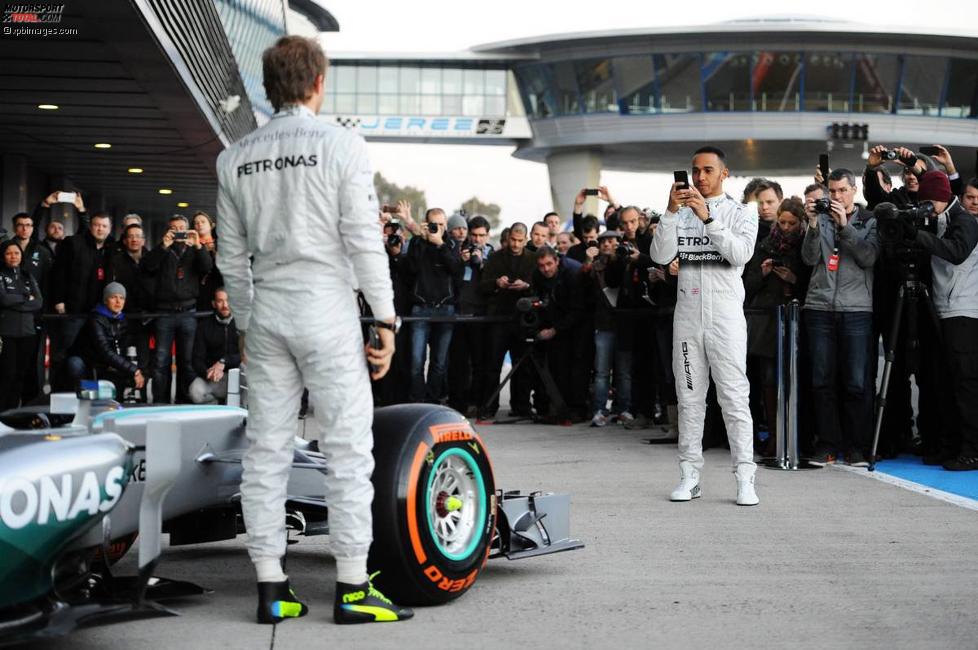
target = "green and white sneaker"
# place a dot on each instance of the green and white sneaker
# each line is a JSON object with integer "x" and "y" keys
{"x": 277, "y": 602}
{"x": 364, "y": 604}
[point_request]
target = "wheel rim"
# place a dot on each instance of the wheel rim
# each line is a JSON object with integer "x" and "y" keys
{"x": 455, "y": 506}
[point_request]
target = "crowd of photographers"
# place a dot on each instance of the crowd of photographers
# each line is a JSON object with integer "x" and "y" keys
{"x": 96, "y": 307}
{"x": 585, "y": 315}
{"x": 580, "y": 309}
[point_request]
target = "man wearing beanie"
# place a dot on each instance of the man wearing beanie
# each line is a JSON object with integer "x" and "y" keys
{"x": 100, "y": 351}
{"x": 955, "y": 267}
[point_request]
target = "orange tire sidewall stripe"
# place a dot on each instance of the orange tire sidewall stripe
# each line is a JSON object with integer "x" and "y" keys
{"x": 412, "y": 519}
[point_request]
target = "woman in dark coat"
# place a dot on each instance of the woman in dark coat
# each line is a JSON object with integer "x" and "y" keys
{"x": 20, "y": 299}
{"x": 775, "y": 276}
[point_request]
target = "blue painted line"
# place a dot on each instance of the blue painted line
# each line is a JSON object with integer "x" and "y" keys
{"x": 911, "y": 468}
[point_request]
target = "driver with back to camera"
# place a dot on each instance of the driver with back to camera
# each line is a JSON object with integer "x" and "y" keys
{"x": 293, "y": 181}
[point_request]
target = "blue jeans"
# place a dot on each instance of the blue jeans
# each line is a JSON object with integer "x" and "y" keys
{"x": 439, "y": 337}
{"x": 182, "y": 327}
{"x": 604, "y": 351}
{"x": 840, "y": 345}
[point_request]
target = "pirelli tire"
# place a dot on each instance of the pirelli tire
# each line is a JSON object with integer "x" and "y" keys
{"x": 434, "y": 510}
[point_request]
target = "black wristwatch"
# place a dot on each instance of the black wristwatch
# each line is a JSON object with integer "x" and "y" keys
{"x": 707, "y": 220}
{"x": 394, "y": 327}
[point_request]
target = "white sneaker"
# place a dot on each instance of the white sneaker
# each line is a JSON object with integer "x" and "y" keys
{"x": 746, "y": 496}
{"x": 689, "y": 483}
{"x": 625, "y": 418}
{"x": 599, "y": 420}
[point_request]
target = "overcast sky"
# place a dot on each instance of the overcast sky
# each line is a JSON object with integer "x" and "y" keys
{"x": 451, "y": 174}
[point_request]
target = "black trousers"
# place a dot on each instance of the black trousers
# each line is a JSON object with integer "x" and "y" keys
{"x": 507, "y": 337}
{"x": 960, "y": 393}
{"x": 468, "y": 366}
{"x": 17, "y": 365}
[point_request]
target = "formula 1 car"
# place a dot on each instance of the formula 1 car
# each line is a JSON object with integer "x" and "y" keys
{"x": 79, "y": 481}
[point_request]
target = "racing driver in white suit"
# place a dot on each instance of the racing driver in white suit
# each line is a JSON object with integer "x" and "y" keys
{"x": 298, "y": 228}
{"x": 713, "y": 236}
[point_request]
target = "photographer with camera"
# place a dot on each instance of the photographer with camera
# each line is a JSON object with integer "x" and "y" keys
{"x": 842, "y": 245}
{"x": 713, "y": 236}
{"x": 954, "y": 263}
{"x": 876, "y": 192}
{"x": 506, "y": 278}
{"x": 177, "y": 265}
{"x": 468, "y": 358}
{"x": 393, "y": 388}
{"x": 434, "y": 266}
{"x": 775, "y": 276}
{"x": 588, "y": 239}
{"x": 557, "y": 332}
{"x": 610, "y": 212}
{"x": 602, "y": 279}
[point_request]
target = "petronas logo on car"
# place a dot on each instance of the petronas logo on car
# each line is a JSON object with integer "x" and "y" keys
{"x": 24, "y": 502}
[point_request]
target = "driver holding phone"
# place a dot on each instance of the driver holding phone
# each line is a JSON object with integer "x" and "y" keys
{"x": 713, "y": 237}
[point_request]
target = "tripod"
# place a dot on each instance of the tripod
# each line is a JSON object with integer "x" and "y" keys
{"x": 533, "y": 354}
{"x": 913, "y": 291}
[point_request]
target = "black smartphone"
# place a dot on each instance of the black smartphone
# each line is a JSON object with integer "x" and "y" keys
{"x": 930, "y": 150}
{"x": 823, "y": 166}
{"x": 374, "y": 339}
{"x": 590, "y": 192}
{"x": 682, "y": 179}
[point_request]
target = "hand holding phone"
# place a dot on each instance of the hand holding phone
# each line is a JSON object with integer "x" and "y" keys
{"x": 66, "y": 197}
{"x": 590, "y": 192}
{"x": 823, "y": 167}
{"x": 930, "y": 150}
{"x": 682, "y": 179}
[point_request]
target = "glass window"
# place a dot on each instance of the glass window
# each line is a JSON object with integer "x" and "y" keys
{"x": 776, "y": 81}
{"x": 431, "y": 81}
{"x": 329, "y": 104}
{"x": 387, "y": 80}
{"x": 330, "y": 80}
{"x": 387, "y": 105}
{"x": 367, "y": 104}
{"x": 346, "y": 104}
{"x": 828, "y": 79}
{"x": 431, "y": 105}
{"x": 451, "y": 105}
{"x": 410, "y": 81}
{"x": 875, "y": 83}
{"x": 495, "y": 82}
{"x": 410, "y": 104}
{"x": 346, "y": 79}
{"x": 636, "y": 83}
{"x": 962, "y": 80}
{"x": 495, "y": 106}
{"x": 565, "y": 88}
{"x": 534, "y": 86}
{"x": 475, "y": 82}
{"x": 920, "y": 88}
{"x": 726, "y": 78}
{"x": 597, "y": 85}
{"x": 451, "y": 81}
{"x": 678, "y": 80}
{"x": 472, "y": 105}
{"x": 366, "y": 79}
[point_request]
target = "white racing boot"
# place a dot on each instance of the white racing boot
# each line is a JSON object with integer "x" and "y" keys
{"x": 746, "y": 496}
{"x": 689, "y": 483}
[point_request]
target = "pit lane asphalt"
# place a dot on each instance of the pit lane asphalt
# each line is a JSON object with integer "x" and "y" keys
{"x": 829, "y": 559}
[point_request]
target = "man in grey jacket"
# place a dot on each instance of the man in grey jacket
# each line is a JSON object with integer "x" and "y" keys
{"x": 955, "y": 266}
{"x": 842, "y": 245}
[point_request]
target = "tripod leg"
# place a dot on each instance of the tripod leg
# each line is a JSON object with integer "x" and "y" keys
{"x": 509, "y": 375}
{"x": 560, "y": 407}
{"x": 887, "y": 368}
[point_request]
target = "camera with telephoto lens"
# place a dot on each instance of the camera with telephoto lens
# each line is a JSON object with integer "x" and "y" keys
{"x": 823, "y": 206}
{"x": 530, "y": 310}
{"x": 624, "y": 251}
{"x": 896, "y": 226}
{"x": 393, "y": 240}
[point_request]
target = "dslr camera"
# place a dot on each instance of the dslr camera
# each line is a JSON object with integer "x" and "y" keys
{"x": 896, "y": 226}
{"x": 823, "y": 206}
{"x": 624, "y": 251}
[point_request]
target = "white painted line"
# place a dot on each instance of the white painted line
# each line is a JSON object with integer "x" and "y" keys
{"x": 941, "y": 495}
